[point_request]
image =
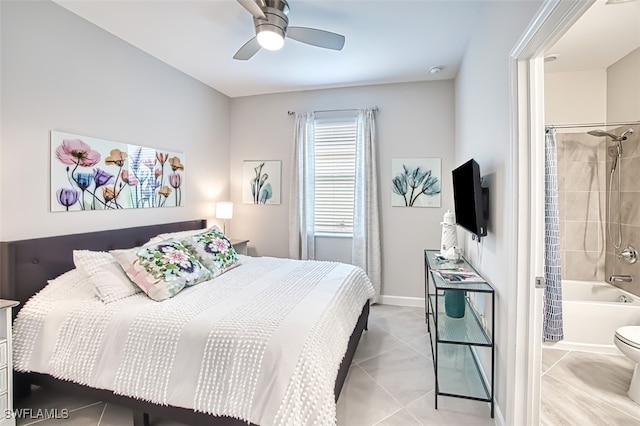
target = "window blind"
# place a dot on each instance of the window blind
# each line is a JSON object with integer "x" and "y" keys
{"x": 335, "y": 158}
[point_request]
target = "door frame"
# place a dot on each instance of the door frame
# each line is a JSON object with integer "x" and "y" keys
{"x": 553, "y": 19}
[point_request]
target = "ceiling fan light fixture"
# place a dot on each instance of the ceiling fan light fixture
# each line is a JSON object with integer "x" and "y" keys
{"x": 271, "y": 22}
{"x": 270, "y": 38}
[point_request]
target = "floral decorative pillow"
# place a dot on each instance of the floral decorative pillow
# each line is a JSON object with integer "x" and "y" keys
{"x": 213, "y": 249}
{"x": 163, "y": 269}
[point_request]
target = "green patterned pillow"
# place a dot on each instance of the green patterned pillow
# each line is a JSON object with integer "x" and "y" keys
{"x": 163, "y": 269}
{"x": 214, "y": 250}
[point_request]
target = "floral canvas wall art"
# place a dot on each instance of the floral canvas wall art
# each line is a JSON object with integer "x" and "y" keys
{"x": 415, "y": 182}
{"x": 95, "y": 174}
{"x": 261, "y": 182}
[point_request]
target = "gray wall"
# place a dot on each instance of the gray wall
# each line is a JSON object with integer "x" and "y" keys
{"x": 483, "y": 132}
{"x": 567, "y": 102}
{"x": 414, "y": 120}
{"x": 623, "y": 89}
{"x": 60, "y": 72}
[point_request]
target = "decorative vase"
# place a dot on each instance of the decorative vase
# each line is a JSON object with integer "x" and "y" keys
{"x": 454, "y": 303}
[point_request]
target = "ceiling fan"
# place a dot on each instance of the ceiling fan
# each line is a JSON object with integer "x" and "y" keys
{"x": 271, "y": 20}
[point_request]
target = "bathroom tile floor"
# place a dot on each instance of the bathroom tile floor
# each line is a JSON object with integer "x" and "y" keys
{"x": 390, "y": 383}
{"x": 580, "y": 388}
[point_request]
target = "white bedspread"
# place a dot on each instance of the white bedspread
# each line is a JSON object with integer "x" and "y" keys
{"x": 262, "y": 342}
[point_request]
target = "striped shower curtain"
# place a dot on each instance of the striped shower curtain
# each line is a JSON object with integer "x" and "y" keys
{"x": 552, "y": 327}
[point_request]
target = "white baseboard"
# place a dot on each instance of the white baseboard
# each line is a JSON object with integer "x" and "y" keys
{"x": 583, "y": 347}
{"x": 498, "y": 417}
{"x": 414, "y": 302}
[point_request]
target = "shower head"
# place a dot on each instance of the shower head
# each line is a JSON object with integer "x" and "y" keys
{"x": 602, "y": 133}
{"x": 623, "y": 136}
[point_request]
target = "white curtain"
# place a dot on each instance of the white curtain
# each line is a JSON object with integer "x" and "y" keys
{"x": 301, "y": 205}
{"x": 366, "y": 224}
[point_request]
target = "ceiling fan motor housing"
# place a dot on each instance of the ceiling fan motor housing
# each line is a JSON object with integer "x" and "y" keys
{"x": 276, "y": 12}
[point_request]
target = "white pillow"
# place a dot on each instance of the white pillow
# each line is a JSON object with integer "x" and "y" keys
{"x": 175, "y": 235}
{"x": 70, "y": 285}
{"x": 106, "y": 275}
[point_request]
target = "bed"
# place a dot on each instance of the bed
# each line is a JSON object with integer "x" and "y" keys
{"x": 27, "y": 265}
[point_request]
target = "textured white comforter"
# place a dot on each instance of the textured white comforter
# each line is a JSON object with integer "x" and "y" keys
{"x": 262, "y": 342}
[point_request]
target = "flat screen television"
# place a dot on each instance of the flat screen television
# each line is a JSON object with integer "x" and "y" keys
{"x": 471, "y": 200}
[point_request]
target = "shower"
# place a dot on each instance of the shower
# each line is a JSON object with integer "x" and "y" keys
{"x": 615, "y": 151}
{"x": 622, "y": 137}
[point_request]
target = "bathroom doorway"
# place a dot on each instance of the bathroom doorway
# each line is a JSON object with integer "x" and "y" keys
{"x": 557, "y": 21}
{"x": 587, "y": 77}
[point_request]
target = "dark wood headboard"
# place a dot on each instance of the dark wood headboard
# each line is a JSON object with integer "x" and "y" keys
{"x": 26, "y": 265}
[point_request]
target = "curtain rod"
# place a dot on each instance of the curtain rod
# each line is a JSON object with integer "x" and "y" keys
{"x": 569, "y": 126}
{"x": 375, "y": 109}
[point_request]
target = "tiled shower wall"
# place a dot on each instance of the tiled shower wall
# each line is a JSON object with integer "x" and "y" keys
{"x": 630, "y": 190}
{"x": 581, "y": 199}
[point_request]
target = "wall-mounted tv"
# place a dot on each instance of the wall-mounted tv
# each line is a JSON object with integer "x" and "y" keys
{"x": 471, "y": 200}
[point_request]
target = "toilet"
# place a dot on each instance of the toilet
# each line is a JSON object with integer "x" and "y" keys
{"x": 627, "y": 339}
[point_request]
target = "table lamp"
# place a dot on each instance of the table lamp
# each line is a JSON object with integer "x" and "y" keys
{"x": 224, "y": 210}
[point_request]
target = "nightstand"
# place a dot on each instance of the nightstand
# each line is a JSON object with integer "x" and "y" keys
{"x": 6, "y": 364}
{"x": 240, "y": 246}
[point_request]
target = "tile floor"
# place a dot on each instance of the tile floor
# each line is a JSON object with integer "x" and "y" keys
{"x": 580, "y": 388}
{"x": 390, "y": 383}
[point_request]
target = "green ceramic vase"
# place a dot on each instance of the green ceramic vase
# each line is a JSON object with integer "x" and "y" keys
{"x": 454, "y": 303}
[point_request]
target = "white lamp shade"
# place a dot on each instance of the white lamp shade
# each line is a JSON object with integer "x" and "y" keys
{"x": 224, "y": 210}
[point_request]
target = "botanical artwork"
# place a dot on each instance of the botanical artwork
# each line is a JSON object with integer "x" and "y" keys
{"x": 95, "y": 174}
{"x": 415, "y": 182}
{"x": 261, "y": 182}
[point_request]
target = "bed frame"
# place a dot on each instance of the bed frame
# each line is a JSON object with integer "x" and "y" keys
{"x": 25, "y": 267}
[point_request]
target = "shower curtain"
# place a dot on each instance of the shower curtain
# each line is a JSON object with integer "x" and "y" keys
{"x": 552, "y": 327}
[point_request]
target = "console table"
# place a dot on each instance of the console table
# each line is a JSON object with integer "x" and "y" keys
{"x": 455, "y": 342}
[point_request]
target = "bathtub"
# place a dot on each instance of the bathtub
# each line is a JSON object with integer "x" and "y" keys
{"x": 591, "y": 312}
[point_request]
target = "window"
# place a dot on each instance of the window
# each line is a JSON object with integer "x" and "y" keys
{"x": 335, "y": 160}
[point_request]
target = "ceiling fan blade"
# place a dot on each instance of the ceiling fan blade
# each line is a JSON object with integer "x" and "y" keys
{"x": 253, "y": 7}
{"x": 316, "y": 37}
{"x": 249, "y": 49}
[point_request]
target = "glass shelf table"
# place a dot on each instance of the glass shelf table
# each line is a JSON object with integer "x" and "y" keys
{"x": 458, "y": 344}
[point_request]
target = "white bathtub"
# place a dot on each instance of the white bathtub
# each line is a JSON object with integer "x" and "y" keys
{"x": 592, "y": 311}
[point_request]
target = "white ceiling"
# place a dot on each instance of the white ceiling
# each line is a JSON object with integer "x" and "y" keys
{"x": 602, "y": 36}
{"x": 387, "y": 41}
